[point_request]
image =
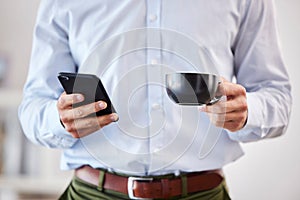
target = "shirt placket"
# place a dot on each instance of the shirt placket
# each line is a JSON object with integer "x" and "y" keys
{"x": 154, "y": 74}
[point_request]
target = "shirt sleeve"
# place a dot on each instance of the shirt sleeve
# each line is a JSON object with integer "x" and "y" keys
{"x": 50, "y": 55}
{"x": 260, "y": 69}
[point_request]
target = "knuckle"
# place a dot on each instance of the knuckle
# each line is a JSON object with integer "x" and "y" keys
{"x": 104, "y": 121}
{"x": 69, "y": 128}
{"x": 231, "y": 128}
{"x": 78, "y": 113}
{"x": 89, "y": 123}
{"x": 75, "y": 135}
{"x": 243, "y": 118}
{"x": 234, "y": 126}
{"x": 64, "y": 118}
{"x": 242, "y": 90}
{"x": 243, "y": 104}
{"x": 60, "y": 102}
{"x": 240, "y": 120}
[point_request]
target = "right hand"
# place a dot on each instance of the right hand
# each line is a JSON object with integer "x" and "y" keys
{"x": 75, "y": 120}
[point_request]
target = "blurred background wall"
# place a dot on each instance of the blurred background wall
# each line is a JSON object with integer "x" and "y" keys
{"x": 17, "y": 21}
{"x": 26, "y": 171}
{"x": 270, "y": 169}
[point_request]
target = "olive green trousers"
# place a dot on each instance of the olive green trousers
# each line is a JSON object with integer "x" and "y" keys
{"x": 79, "y": 189}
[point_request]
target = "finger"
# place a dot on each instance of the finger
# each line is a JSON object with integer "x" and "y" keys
{"x": 237, "y": 104}
{"x": 82, "y": 111}
{"x": 228, "y": 117}
{"x": 85, "y": 126}
{"x": 231, "y": 121}
{"x": 85, "y": 110}
{"x": 82, "y": 127}
{"x": 231, "y": 105}
{"x": 217, "y": 108}
{"x": 232, "y": 89}
{"x": 233, "y": 126}
{"x": 67, "y": 100}
{"x": 107, "y": 119}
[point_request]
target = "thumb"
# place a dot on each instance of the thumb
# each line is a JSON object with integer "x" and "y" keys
{"x": 223, "y": 80}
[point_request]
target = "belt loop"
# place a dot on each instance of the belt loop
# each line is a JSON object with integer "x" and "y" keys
{"x": 184, "y": 185}
{"x": 165, "y": 188}
{"x": 101, "y": 180}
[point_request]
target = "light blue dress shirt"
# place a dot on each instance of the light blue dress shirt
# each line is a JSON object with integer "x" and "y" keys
{"x": 131, "y": 45}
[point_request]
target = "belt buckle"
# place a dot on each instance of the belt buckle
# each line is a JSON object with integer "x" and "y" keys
{"x": 130, "y": 185}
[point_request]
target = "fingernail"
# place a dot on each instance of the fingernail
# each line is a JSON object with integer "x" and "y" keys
{"x": 114, "y": 117}
{"x": 102, "y": 105}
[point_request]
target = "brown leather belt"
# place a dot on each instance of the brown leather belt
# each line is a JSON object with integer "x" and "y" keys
{"x": 152, "y": 187}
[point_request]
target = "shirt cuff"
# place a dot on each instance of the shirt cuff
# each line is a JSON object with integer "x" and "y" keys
{"x": 252, "y": 130}
{"x": 58, "y": 136}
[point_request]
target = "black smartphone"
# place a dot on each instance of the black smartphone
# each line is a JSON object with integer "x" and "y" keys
{"x": 88, "y": 85}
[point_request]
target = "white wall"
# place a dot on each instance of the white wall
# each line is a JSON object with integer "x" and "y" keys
{"x": 17, "y": 20}
{"x": 269, "y": 170}
{"x": 16, "y": 24}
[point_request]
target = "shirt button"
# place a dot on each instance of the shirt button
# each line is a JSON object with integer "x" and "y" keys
{"x": 156, "y": 150}
{"x": 152, "y": 17}
{"x": 154, "y": 62}
{"x": 156, "y": 106}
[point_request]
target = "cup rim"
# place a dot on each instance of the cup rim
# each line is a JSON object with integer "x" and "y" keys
{"x": 192, "y": 73}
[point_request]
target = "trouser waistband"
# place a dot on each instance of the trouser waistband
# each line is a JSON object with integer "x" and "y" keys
{"x": 160, "y": 187}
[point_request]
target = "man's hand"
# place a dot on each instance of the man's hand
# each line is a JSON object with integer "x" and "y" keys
{"x": 230, "y": 114}
{"x": 76, "y": 121}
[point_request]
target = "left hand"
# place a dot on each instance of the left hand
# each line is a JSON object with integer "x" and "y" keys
{"x": 230, "y": 114}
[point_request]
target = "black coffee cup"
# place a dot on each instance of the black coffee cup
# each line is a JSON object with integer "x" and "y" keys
{"x": 193, "y": 88}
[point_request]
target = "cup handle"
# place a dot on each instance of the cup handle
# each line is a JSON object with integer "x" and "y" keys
{"x": 214, "y": 100}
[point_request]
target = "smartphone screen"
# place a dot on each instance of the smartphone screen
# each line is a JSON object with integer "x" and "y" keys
{"x": 88, "y": 85}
